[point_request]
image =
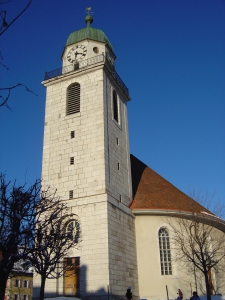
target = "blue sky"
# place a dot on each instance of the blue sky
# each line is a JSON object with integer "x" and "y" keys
{"x": 171, "y": 56}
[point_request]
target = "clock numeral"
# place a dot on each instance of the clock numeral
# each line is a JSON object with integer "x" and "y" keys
{"x": 77, "y": 54}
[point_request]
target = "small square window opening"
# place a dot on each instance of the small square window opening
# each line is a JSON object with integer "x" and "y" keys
{"x": 72, "y": 134}
{"x": 72, "y": 160}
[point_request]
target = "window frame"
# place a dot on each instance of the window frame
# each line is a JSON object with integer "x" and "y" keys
{"x": 26, "y": 283}
{"x": 75, "y": 225}
{"x": 165, "y": 252}
{"x": 17, "y": 283}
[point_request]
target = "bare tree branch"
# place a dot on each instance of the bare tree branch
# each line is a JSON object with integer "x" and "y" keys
{"x": 6, "y": 25}
{"x": 209, "y": 201}
{"x": 8, "y": 89}
{"x": 33, "y": 227}
{"x": 6, "y": 1}
{"x": 17, "y": 224}
{"x": 1, "y": 57}
{"x": 52, "y": 242}
{"x": 3, "y": 27}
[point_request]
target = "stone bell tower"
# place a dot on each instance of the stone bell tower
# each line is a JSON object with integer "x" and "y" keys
{"x": 86, "y": 157}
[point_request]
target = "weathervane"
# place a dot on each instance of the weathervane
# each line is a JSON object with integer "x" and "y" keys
{"x": 89, "y": 18}
{"x": 88, "y": 10}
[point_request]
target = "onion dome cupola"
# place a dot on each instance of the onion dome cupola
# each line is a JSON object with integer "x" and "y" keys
{"x": 86, "y": 43}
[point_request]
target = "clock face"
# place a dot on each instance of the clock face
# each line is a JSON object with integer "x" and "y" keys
{"x": 77, "y": 53}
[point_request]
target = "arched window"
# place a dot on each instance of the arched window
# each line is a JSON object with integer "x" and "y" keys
{"x": 73, "y": 99}
{"x": 73, "y": 230}
{"x": 165, "y": 252}
{"x": 115, "y": 107}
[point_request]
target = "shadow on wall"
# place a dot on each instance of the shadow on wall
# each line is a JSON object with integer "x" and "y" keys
{"x": 103, "y": 293}
{"x": 137, "y": 169}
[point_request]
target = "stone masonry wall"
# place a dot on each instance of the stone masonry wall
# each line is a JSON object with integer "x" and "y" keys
{"x": 87, "y": 176}
{"x": 122, "y": 250}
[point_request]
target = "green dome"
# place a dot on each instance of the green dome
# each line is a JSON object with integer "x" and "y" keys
{"x": 88, "y": 33}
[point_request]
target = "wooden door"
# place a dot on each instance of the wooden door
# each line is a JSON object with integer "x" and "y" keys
{"x": 71, "y": 276}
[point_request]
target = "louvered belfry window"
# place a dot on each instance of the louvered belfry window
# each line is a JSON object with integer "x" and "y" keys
{"x": 73, "y": 99}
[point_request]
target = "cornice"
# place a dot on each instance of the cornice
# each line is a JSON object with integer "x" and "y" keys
{"x": 203, "y": 217}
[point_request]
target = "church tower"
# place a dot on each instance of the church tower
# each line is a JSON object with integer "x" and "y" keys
{"x": 86, "y": 157}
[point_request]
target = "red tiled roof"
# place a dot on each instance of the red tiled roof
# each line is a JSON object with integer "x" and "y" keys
{"x": 152, "y": 192}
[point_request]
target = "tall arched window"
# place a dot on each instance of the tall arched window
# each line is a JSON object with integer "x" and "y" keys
{"x": 115, "y": 107}
{"x": 73, "y": 99}
{"x": 165, "y": 252}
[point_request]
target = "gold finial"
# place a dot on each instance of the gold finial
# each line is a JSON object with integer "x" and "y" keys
{"x": 89, "y": 18}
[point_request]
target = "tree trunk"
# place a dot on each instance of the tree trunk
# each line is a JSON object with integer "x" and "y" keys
{"x": 42, "y": 289}
{"x": 2, "y": 288}
{"x": 207, "y": 285}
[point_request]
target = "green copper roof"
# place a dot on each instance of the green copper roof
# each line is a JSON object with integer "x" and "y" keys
{"x": 88, "y": 33}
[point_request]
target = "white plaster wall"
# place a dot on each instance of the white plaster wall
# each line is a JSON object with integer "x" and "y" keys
{"x": 152, "y": 285}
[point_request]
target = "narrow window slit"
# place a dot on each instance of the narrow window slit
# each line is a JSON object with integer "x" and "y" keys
{"x": 72, "y": 134}
{"x": 71, "y": 194}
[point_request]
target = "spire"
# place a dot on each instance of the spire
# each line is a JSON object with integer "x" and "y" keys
{"x": 88, "y": 18}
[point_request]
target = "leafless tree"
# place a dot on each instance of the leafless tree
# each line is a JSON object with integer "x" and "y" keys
{"x": 52, "y": 241}
{"x": 32, "y": 227}
{"x": 198, "y": 241}
{"x": 17, "y": 225}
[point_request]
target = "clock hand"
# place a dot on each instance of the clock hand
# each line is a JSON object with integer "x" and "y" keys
{"x": 76, "y": 53}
